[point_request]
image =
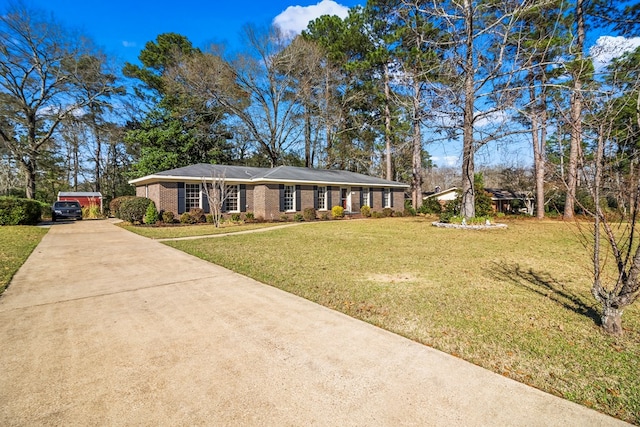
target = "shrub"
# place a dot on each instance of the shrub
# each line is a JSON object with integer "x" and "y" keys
{"x": 198, "y": 215}
{"x": 91, "y": 212}
{"x": 387, "y": 212}
{"x": 399, "y": 214}
{"x": 409, "y": 212}
{"x": 324, "y": 216}
{"x": 19, "y": 211}
{"x": 151, "y": 216}
{"x": 209, "y": 218}
{"x": 309, "y": 214}
{"x": 134, "y": 209}
{"x": 114, "y": 205}
{"x": 235, "y": 217}
{"x": 284, "y": 218}
{"x": 337, "y": 212}
{"x": 376, "y": 214}
{"x": 168, "y": 217}
{"x": 365, "y": 211}
{"x": 249, "y": 217}
{"x": 186, "y": 218}
{"x": 430, "y": 206}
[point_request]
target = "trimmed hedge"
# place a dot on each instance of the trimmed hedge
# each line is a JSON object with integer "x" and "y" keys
{"x": 134, "y": 209}
{"x": 17, "y": 211}
{"x": 114, "y": 205}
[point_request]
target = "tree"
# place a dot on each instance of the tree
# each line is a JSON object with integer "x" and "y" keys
{"x": 42, "y": 70}
{"x": 179, "y": 128}
{"x": 615, "y": 125}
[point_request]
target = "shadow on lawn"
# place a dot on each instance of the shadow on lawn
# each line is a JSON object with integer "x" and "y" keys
{"x": 543, "y": 284}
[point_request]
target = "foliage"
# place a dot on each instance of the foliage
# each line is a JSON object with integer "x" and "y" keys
{"x": 18, "y": 211}
{"x": 209, "y": 218}
{"x": 309, "y": 214}
{"x": 167, "y": 217}
{"x": 365, "y": 211}
{"x": 337, "y": 212}
{"x": 324, "y": 216}
{"x": 91, "y": 212}
{"x": 151, "y": 216}
{"x": 387, "y": 212}
{"x": 298, "y": 217}
{"x": 114, "y": 205}
{"x": 186, "y": 218}
{"x": 409, "y": 212}
{"x": 197, "y": 214}
{"x": 133, "y": 209}
{"x": 16, "y": 244}
{"x": 235, "y": 217}
{"x": 249, "y": 217}
{"x": 430, "y": 205}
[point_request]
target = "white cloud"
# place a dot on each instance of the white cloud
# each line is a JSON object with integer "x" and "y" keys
{"x": 126, "y": 43}
{"x": 443, "y": 161}
{"x": 294, "y": 19}
{"x": 607, "y": 48}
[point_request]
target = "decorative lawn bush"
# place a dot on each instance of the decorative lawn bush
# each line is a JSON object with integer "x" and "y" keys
{"x": 134, "y": 209}
{"x": 17, "y": 211}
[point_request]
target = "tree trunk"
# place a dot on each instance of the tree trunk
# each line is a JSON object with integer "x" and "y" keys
{"x": 468, "y": 209}
{"x": 387, "y": 123}
{"x": 416, "y": 158}
{"x": 576, "y": 116}
{"x": 31, "y": 169}
{"x": 612, "y": 320}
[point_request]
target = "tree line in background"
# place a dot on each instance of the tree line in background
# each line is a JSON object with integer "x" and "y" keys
{"x": 367, "y": 93}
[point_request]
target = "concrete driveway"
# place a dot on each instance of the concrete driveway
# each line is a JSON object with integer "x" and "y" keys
{"x": 104, "y": 327}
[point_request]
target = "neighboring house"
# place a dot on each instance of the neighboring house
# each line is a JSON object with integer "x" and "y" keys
{"x": 270, "y": 193}
{"x": 503, "y": 201}
{"x": 86, "y": 198}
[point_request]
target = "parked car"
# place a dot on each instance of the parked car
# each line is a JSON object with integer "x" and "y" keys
{"x": 66, "y": 209}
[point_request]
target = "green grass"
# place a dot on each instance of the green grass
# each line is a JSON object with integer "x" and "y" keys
{"x": 178, "y": 231}
{"x": 515, "y": 301}
{"x": 16, "y": 244}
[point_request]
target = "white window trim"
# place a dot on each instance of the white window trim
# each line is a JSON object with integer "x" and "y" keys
{"x": 237, "y": 193}
{"x": 199, "y": 197}
{"x": 366, "y": 201}
{"x": 325, "y": 198}
{"x": 293, "y": 198}
{"x": 386, "y": 197}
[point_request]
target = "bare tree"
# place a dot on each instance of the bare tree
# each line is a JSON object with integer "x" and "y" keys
{"x": 614, "y": 124}
{"x": 217, "y": 192}
{"x": 40, "y": 71}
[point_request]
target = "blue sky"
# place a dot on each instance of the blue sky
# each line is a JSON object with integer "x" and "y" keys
{"x": 122, "y": 27}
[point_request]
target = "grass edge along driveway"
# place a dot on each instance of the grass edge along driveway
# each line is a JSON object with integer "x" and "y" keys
{"x": 16, "y": 244}
{"x": 515, "y": 301}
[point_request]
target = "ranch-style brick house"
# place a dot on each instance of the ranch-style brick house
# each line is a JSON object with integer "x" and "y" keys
{"x": 270, "y": 193}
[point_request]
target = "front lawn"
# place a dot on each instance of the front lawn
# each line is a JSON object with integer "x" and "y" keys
{"x": 16, "y": 244}
{"x": 515, "y": 301}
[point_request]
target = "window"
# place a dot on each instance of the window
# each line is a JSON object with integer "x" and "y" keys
{"x": 386, "y": 197}
{"x": 366, "y": 200}
{"x": 289, "y": 198}
{"x": 232, "y": 202}
{"x": 192, "y": 196}
{"x": 322, "y": 198}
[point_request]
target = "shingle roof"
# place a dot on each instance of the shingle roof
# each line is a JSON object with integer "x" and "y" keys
{"x": 278, "y": 174}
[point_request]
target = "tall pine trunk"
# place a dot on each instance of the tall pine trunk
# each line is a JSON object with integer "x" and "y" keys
{"x": 468, "y": 209}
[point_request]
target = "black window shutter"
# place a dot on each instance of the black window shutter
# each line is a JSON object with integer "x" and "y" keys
{"x": 391, "y": 197}
{"x": 298, "y": 199}
{"x": 329, "y": 198}
{"x": 181, "y": 201}
{"x": 361, "y": 196}
{"x": 315, "y": 197}
{"x": 243, "y": 198}
{"x": 281, "y": 197}
{"x": 205, "y": 199}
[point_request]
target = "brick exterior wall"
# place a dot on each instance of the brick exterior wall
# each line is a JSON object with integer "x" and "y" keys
{"x": 264, "y": 199}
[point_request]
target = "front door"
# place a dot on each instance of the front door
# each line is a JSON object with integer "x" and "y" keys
{"x": 345, "y": 198}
